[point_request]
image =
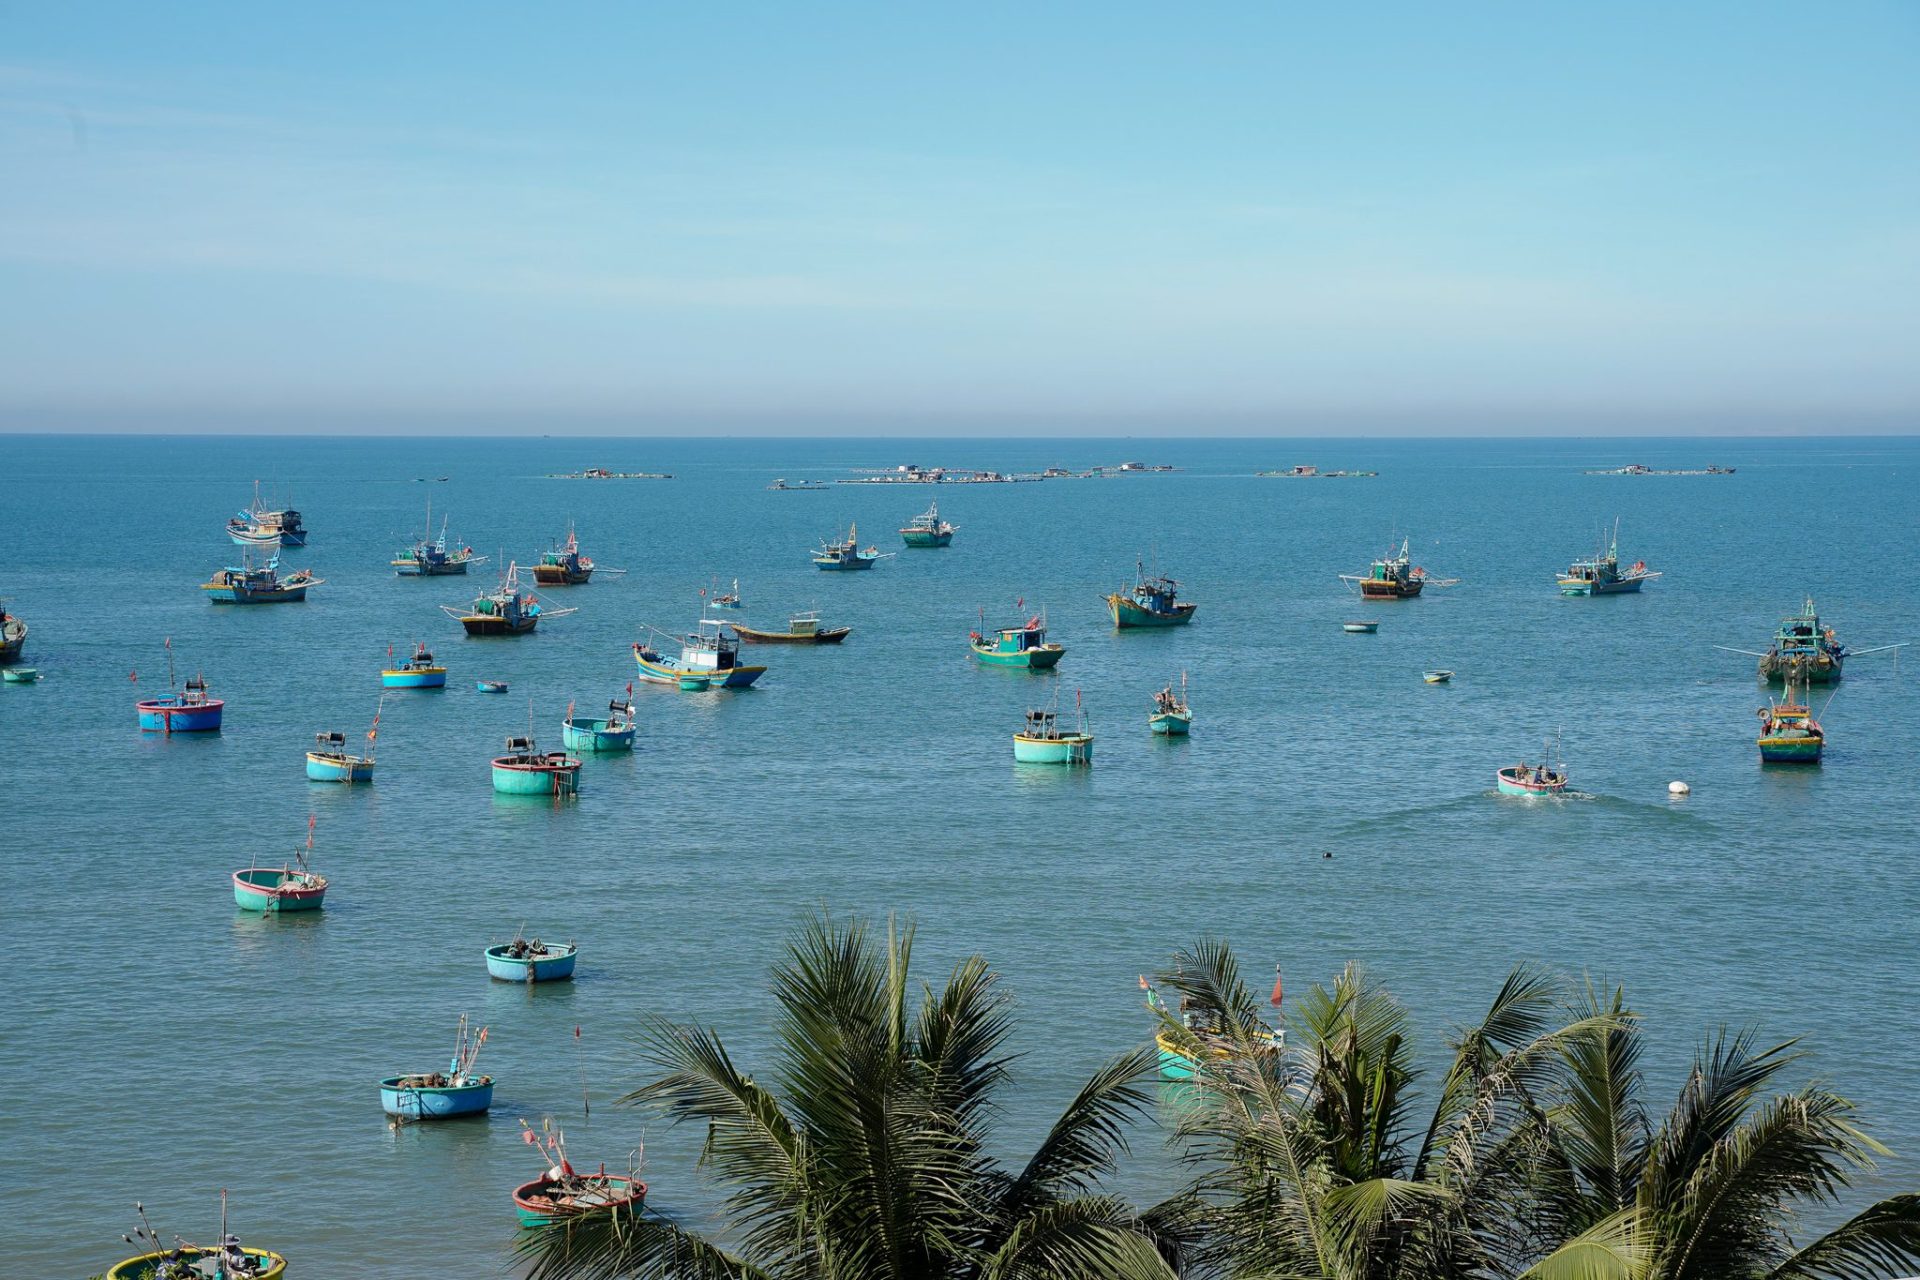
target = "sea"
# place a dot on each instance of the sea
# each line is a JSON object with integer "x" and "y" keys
{"x": 159, "y": 1045}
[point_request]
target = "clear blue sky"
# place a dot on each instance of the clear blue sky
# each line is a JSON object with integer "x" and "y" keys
{"x": 1107, "y": 217}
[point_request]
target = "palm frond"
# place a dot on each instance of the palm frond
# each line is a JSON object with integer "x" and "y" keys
{"x": 1364, "y": 1215}
{"x": 622, "y": 1244}
{"x": 1085, "y": 1142}
{"x": 1091, "y": 1238}
{"x": 960, "y": 1032}
{"x": 1875, "y": 1243}
{"x": 1726, "y": 1078}
{"x": 1600, "y": 1122}
{"x": 1614, "y": 1248}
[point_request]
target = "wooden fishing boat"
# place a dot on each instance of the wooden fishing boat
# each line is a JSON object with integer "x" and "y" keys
{"x": 1436, "y": 677}
{"x": 613, "y": 733}
{"x": 249, "y": 583}
{"x": 928, "y": 530}
{"x": 504, "y": 611}
{"x": 418, "y": 672}
{"x": 188, "y": 711}
{"x": 1360, "y": 628}
{"x": 709, "y": 658}
{"x": 1022, "y": 646}
{"x": 432, "y": 557}
{"x": 257, "y": 526}
{"x": 1391, "y": 577}
{"x": 288, "y": 887}
{"x": 1043, "y": 741}
{"x": 181, "y": 1260}
{"x": 1171, "y": 716}
{"x": 490, "y": 686}
{"x": 836, "y": 556}
{"x": 524, "y": 771}
{"x": 524, "y": 960}
{"x": 1805, "y": 652}
{"x": 802, "y": 628}
{"x": 1601, "y": 575}
{"x": 1788, "y": 732}
{"x": 19, "y": 675}
{"x": 562, "y": 1192}
{"x": 13, "y": 636}
{"x": 442, "y": 1095}
{"x": 1150, "y": 602}
{"x": 564, "y": 566}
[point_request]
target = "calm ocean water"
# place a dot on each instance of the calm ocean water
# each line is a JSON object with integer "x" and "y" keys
{"x": 159, "y": 1045}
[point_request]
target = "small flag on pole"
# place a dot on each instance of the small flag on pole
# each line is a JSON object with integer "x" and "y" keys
{"x": 311, "y": 819}
{"x": 1275, "y": 998}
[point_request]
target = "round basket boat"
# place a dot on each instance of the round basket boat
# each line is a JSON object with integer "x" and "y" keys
{"x": 147, "y": 1266}
{"x": 545, "y": 1201}
{"x": 553, "y": 963}
{"x": 400, "y": 1097}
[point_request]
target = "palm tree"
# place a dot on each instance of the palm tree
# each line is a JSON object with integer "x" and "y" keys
{"x": 868, "y": 1159}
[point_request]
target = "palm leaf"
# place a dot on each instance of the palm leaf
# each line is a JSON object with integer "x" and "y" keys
{"x": 621, "y": 1244}
{"x": 1615, "y": 1248}
{"x": 1875, "y": 1243}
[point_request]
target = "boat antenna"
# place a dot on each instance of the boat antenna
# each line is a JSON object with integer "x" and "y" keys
{"x": 169, "y": 662}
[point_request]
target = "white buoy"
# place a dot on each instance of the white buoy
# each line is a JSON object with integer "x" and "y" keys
{"x": 1679, "y": 789}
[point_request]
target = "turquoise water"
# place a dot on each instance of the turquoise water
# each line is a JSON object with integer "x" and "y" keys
{"x": 168, "y": 1045}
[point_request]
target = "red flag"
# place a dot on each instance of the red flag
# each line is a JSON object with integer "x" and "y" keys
{"x": 373, "y": 731}
{"x": 629, "y": 688}
{"x": 569, "y": 709}
{"x": 389, "y": 653}
{"x": 169, "y": 643}
{"x": 1019, "y": 602}
{"x": 576, "y": 1033}
{"x": 1275, "y": 998}
{"x": 311, "y": 819}
{"x": 1144, "y": 984}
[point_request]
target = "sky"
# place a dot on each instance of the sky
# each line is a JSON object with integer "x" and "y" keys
{"x": 1100, "y": 218}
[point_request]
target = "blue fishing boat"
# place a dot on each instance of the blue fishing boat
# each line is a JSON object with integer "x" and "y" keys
{"x": 1805, "y": 652}
{"x": 612, "y": 733}
{"x": 709, "y": 659}
{"x": 836, "y": 555}
{"x": 432, "y": 557}
{"x": 418, "y": 672}
{"x": 524, "y": 771}
{"x": 442, "y": 1095}
{"x": 188, "y": 711}
{"x": 13, "y": 636}
{"x": 524, "y": 960}
{"x": 1602, "y": 575}
{"x": 505, "y": 611}
{"x": 1023, "y": 646}
{"x": 490, "y": 686}
{"x": 249, "y": 583}
{"x": 257, "y": 526}
{"x": 1171, "y": 716}
{"x": 718, "y": 599}
{"x": 1151, "y": 602}
{"x": 289, "y": 887}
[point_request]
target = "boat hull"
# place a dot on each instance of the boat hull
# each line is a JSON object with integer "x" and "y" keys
{"x": 245, "y": 595}
{"x": 826, "y": 635}
{"x": 1791, "y": 750}
{"x": 1801, "y": 668}
{"x": 1170, "y": 724}
{"x": 1033, "y": 659}
{"x": 594, "y": 735}
{"x": 421, "y": 569}
{"x": 1371, "y": 589}
{"x": 163, "y": 716}
{"x": 327, "y": 767}
{"x": 534, "y": 1201}
{"x": 924, "y": 538}
{"x": 1360, "y": 628}
{"x": 1512, "y": 785}
{"x": 479, "y": 624}
{"x": 20, "y": 675}
{"x": 546, "y": 969}
{"x": 1072, "y": 749}
{"x": 13, "y": 638}
{"x": 257, "y": 889}
{"x": 541, "y": 779}
{"x": 431, "y": 678}
{"x": 490, "y": 686}
{"x": 1128, "y": 613}
{"x": 553, "y": 576}
{"x": 1582, "y": 587}
{"x": 446, "y": 1102}
{"x": 657, "y": 672}
{"x": 843, "y": 566}
{"x": 147, "y": 1266}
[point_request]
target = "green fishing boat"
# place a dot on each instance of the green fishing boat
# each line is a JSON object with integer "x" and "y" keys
{"x": 1022, "y": 646}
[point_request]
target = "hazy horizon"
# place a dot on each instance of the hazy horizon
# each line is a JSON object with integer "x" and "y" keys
{"x": 861, "y": 220}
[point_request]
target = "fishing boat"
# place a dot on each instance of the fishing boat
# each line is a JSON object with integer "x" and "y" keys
{"x": 1023, "y": 646}
{"x": 504, "y": 611}
{"x": 1200, "y": 1035}
{"x": 802, "y": 628}
{"x": 181, "y": 1260}
{"x": 836, "y": 556}
{"x": 330, "y": 761}
{"x": 188, "y": 711}
{"x": 1361, "y": 627}
{"x": 564, "y": 566}
{"x": 13, "y": 636}
{"x": 1436, "y": 677}
{"x": 1541, "y": 779}
{"x": 490, "y": 686}
{"x": 1788, "y": 732}
{"x": 613, "y": 733}
{"x": 531, "y": 960}
{"x": 1805, "y": 652}
{"x": 709, "y": 658}
{"x": 1393, "y": 577}
{"x": 1171, "y": 716}
{"x": 718, "y": 599}
{"x": 257, "y": 526}
{"x": 562, "y": 1192}
{"x": 1042, "y": 741}
{"x": 524, "y": 771}
{"x": 1602, "y": 575}
{"x": 442, "y": 1095}
{"x": 418, "y": 672}
{"x": 289, "y": 887}
{"x": 432, "y": 557}
{"x": 19, "y": 675}
{"x": 928, "y": 530}
{"x": 250, "y": 583}
{"x": 1150, "y": 602}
